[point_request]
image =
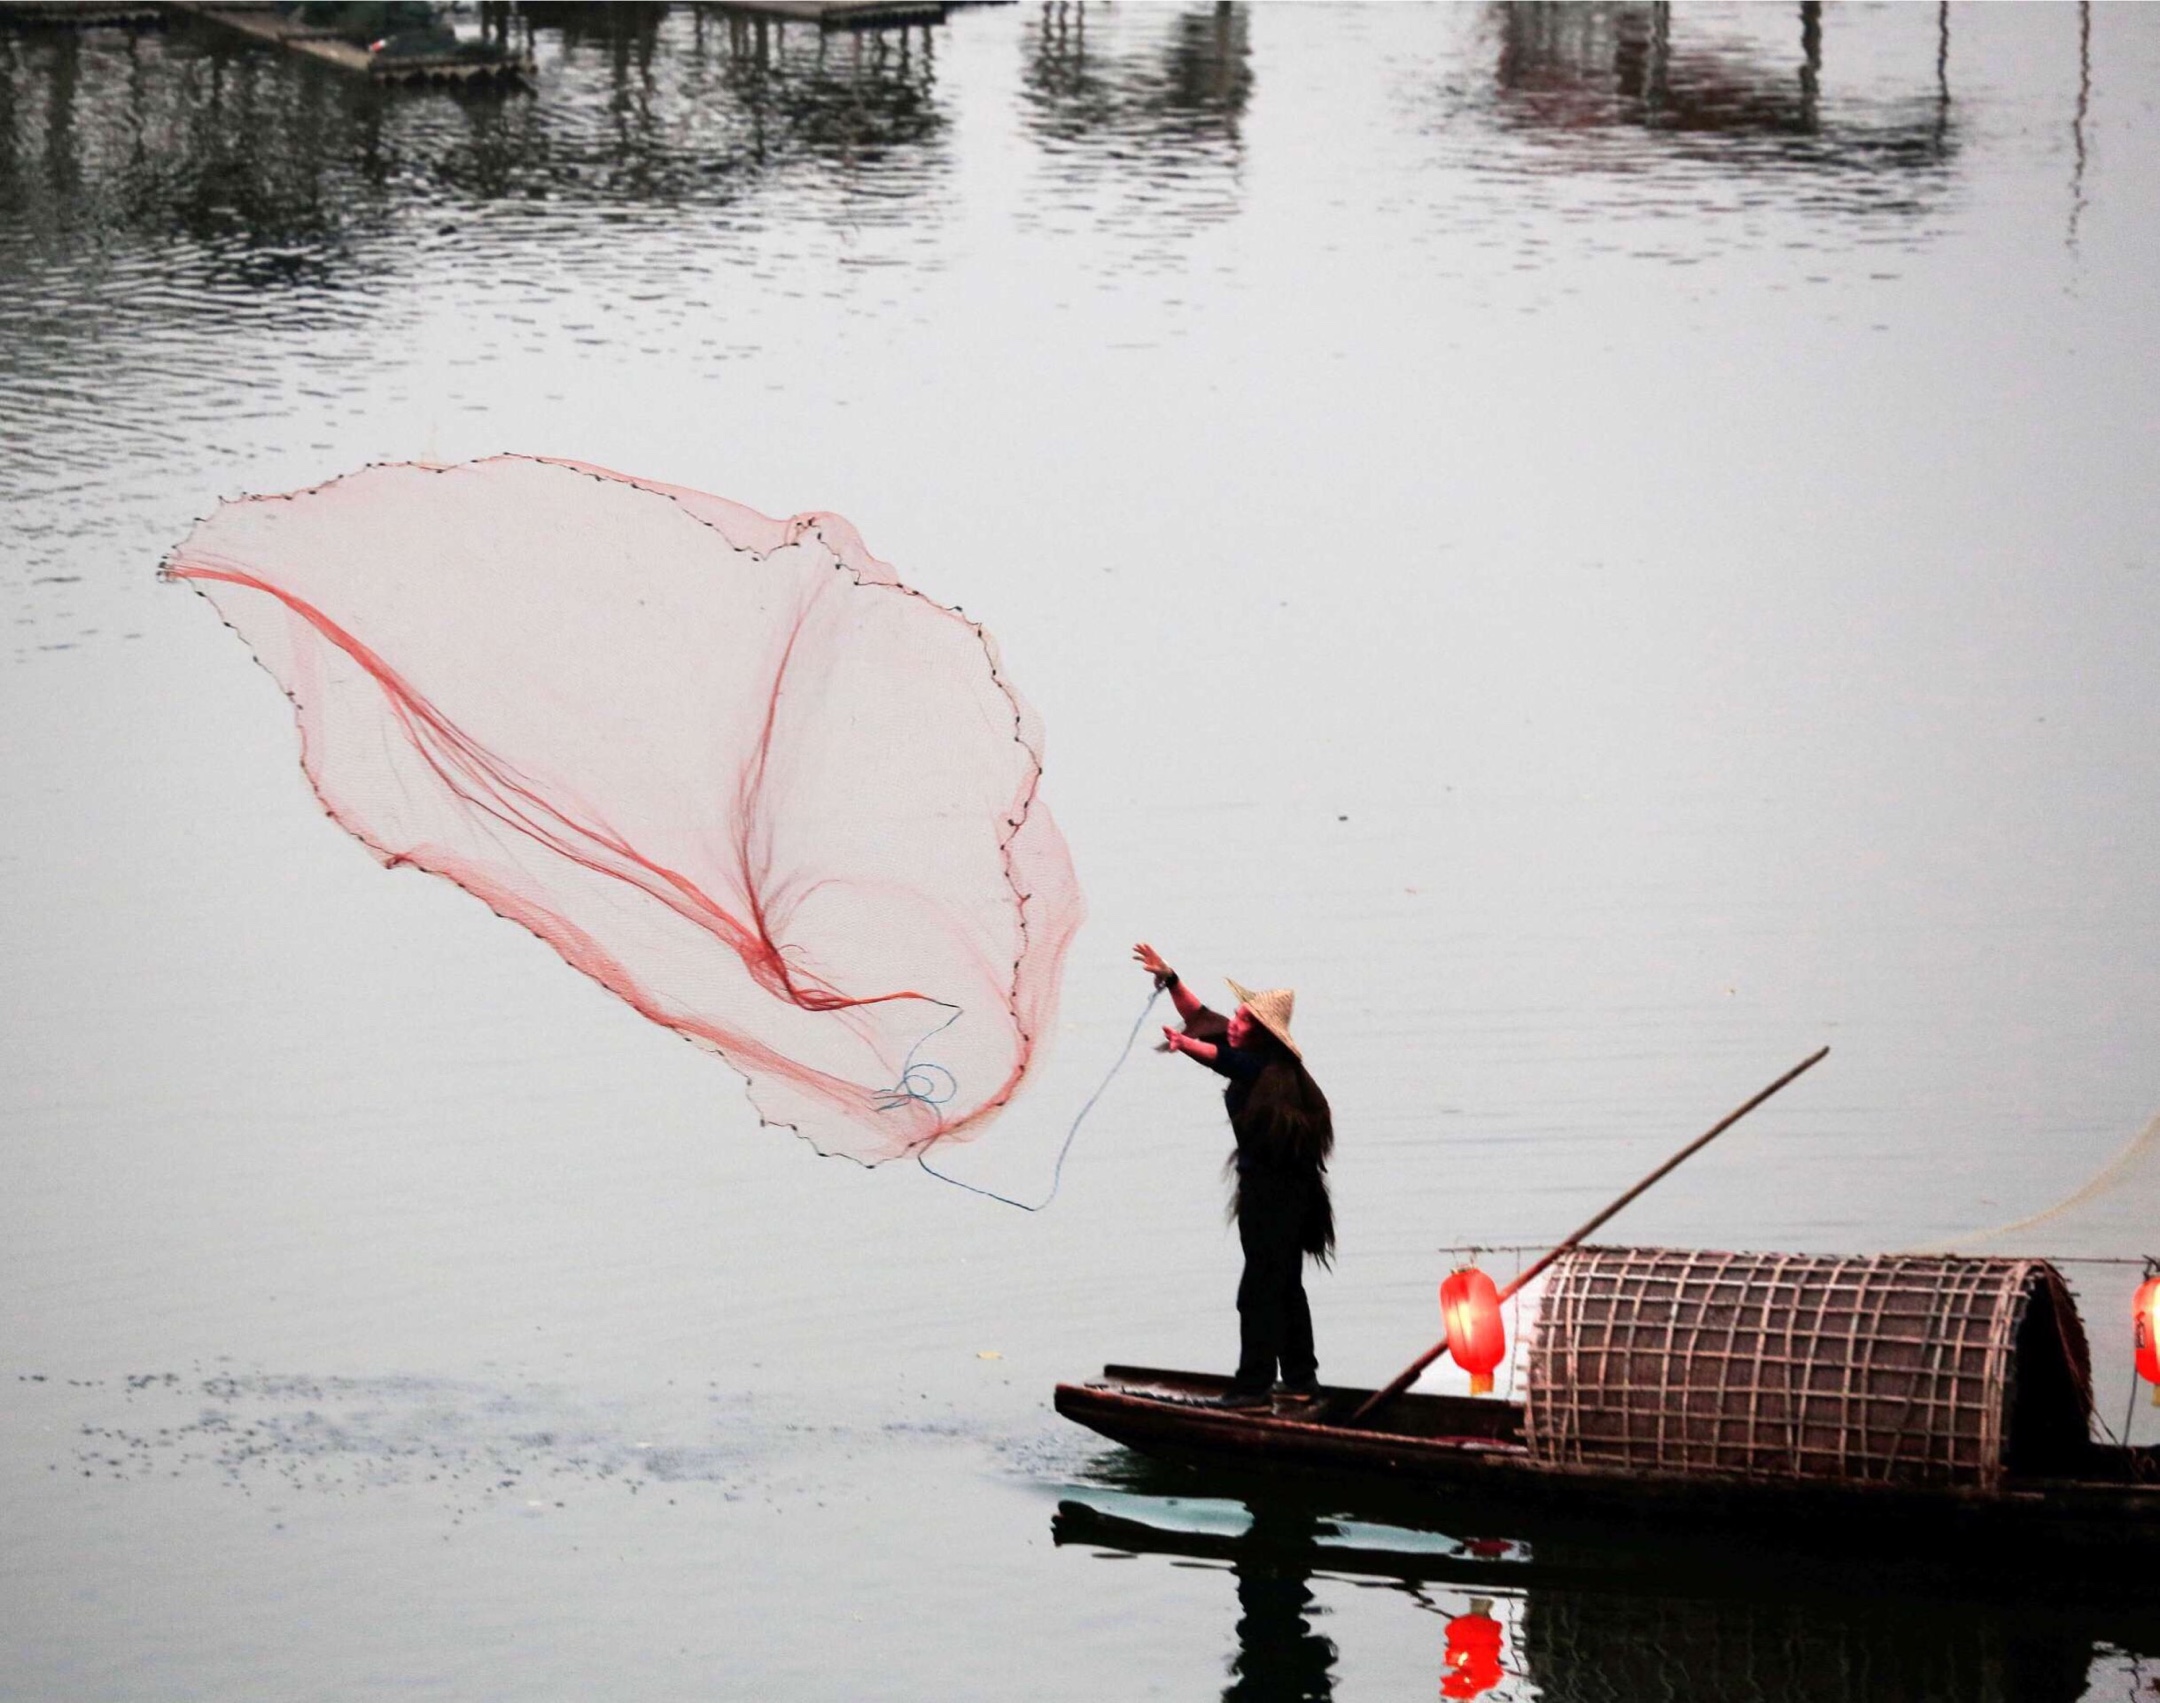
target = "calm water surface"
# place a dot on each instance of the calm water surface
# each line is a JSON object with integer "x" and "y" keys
{"x": 1608, "y": 548}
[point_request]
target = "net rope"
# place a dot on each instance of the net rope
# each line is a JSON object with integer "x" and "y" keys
{"x": 1057, "y": 1173}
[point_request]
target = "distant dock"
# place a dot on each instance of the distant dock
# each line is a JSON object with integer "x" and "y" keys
{"x": 80, "y": 14}
{"x": 390, "y": 62}
{"x": 842, "y": 14}
{"x": 437, "y": 55}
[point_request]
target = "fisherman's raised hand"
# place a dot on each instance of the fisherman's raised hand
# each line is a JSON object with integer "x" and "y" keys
{"x": 1150, "y": 960}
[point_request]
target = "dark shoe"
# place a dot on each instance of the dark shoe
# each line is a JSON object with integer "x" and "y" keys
{"x": 1245, "y": 1400}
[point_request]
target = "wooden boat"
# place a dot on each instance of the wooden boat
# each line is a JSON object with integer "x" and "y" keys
{"x": 1924, "y": 1403}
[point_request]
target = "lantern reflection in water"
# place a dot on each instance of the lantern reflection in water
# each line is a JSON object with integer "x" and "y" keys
{"x": 1473, "y": 1652}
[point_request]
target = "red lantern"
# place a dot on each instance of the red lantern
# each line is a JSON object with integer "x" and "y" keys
{"x": 1473, "y": 1653}
{"x": 2145, "y": 1319}
{"x": 1475, "y": 1337}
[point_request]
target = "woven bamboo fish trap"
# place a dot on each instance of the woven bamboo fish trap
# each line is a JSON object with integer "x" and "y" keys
{"x": 1896, "y": 1369}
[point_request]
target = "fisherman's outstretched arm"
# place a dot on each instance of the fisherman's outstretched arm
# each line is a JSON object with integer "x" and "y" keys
{"x": 1187, "y": 1002}
{"x": 1179, "y": 1042}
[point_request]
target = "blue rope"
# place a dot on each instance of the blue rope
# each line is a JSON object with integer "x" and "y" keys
{"x": 921, "y": 1081}
{"x": 1057, "y": 1175}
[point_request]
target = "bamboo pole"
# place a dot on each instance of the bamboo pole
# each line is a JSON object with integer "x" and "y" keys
{"x": 1408, "y": 1375}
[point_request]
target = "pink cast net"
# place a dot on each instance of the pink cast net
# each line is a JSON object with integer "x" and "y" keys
{"x": 728, "y": 766}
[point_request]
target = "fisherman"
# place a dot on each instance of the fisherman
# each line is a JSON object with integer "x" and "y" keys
{"x": 1280, "y": 1195}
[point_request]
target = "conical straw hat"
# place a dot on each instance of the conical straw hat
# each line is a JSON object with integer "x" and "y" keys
{"x": 1271, "y": 1010}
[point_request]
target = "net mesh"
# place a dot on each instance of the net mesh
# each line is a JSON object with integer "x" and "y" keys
{"x": 2109, "y": 1216}
{"x": 728, "y": 766}
{"x": 2102, "y": 1235}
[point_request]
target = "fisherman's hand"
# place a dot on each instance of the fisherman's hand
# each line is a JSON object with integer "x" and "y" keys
{"x": 1173, "y": 1041}
{"x": 1150, "y": 960}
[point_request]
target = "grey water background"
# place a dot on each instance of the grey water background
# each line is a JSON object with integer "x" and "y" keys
{"x": 1606, "y": 547}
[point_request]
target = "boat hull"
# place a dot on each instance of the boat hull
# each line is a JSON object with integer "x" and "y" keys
{"x": 1468, "y": 1455}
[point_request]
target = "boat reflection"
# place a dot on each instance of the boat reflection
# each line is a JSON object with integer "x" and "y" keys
{"x": 1590, "y": 1647}
{"x": 1577, "y": 1622}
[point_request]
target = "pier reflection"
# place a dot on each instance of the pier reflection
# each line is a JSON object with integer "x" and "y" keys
{"x": 723, "y": 94}
{"x": 1750, "y": 92}
{"x": 1084, "y": 80}
{"x": 1153, "y": 101}
{"x": 1581, "y": 1623}
{"x": 197, "y": 135}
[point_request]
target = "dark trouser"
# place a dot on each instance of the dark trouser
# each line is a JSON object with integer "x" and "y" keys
{"x": 1274, "y": 1322}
